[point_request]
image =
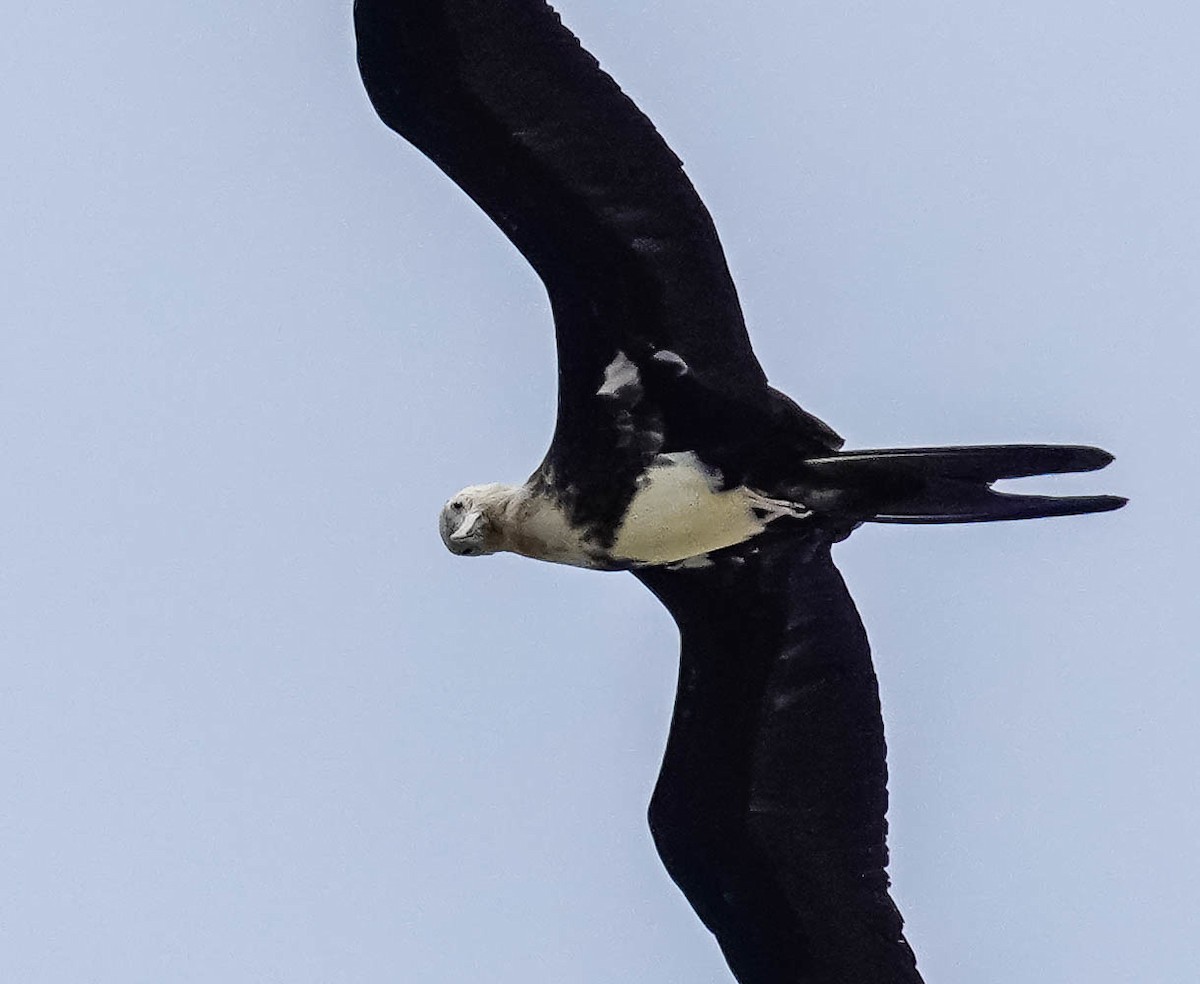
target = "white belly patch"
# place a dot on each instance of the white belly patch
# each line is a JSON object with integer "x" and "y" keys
{"x": 678, "y": 513}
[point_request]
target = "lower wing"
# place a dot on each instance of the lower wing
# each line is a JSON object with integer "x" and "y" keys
{"x": 770, "y": 809}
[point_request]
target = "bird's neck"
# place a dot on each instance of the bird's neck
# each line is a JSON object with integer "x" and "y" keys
{"x": 534, "y": 524}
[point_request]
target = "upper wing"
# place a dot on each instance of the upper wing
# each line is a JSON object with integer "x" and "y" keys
{"x": 770, "y": 809}
{"x": 504, "y": 99}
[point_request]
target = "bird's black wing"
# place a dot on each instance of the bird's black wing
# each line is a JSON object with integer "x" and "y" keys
{"x": 502, "y": 97}
{"x": 770, "y": 809}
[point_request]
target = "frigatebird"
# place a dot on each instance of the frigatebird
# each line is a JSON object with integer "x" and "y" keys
{"x": 673, "y": 458}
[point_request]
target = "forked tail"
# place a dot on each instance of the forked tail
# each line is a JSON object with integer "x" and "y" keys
{"x": 951, "y": 485}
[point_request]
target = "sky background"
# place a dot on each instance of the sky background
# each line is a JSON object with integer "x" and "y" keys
{"x": 257, "y": 725}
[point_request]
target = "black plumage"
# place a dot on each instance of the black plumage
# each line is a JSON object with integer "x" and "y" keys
{"x": 770, "y": 809}
{"x": 769, "y": 812}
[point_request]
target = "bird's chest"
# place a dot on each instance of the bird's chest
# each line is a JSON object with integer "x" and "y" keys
{"x": 680, "y": 512}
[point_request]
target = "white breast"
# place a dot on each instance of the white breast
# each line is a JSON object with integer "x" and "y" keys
{"x": 678, "y": 513}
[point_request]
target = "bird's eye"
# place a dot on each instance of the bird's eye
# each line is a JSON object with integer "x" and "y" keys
{"x": 456, "y": 504}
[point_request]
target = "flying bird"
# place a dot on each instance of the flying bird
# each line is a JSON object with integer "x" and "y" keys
{"x": 673, "y": 458}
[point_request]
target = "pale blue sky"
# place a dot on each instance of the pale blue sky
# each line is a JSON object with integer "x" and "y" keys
{"x": 257, "y": 725}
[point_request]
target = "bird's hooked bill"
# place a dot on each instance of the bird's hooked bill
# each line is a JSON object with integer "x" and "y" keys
{"x": 471, "y": 522}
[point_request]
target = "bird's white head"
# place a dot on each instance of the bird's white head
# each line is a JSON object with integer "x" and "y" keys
{"x": 472, "y": 522}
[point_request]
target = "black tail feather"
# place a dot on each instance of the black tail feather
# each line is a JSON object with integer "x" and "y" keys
{"x": 953, "y": 485}
{"x": 966, "y": 504}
